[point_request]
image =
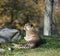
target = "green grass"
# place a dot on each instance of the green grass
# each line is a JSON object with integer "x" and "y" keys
{"x": 50, "y": 47}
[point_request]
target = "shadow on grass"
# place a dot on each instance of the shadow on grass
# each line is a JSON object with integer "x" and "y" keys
{"x": 50, "y": 42}
{"x": 43, "y": 41}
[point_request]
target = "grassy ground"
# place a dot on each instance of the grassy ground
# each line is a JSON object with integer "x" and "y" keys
{"x": 50, "y": 47}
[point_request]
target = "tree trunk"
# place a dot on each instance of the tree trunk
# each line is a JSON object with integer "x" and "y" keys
{"x": 48, "y": 17}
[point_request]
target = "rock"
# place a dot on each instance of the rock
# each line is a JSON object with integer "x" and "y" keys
{"x": 9, "y": 35}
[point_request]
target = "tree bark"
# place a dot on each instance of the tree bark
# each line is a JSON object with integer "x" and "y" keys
{"x": 48, "y": 17}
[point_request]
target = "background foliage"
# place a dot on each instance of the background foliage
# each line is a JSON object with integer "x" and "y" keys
{"x": 15, "y": 13}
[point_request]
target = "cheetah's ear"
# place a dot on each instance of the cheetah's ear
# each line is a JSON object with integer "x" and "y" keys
{"x": 31, "y": 25}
